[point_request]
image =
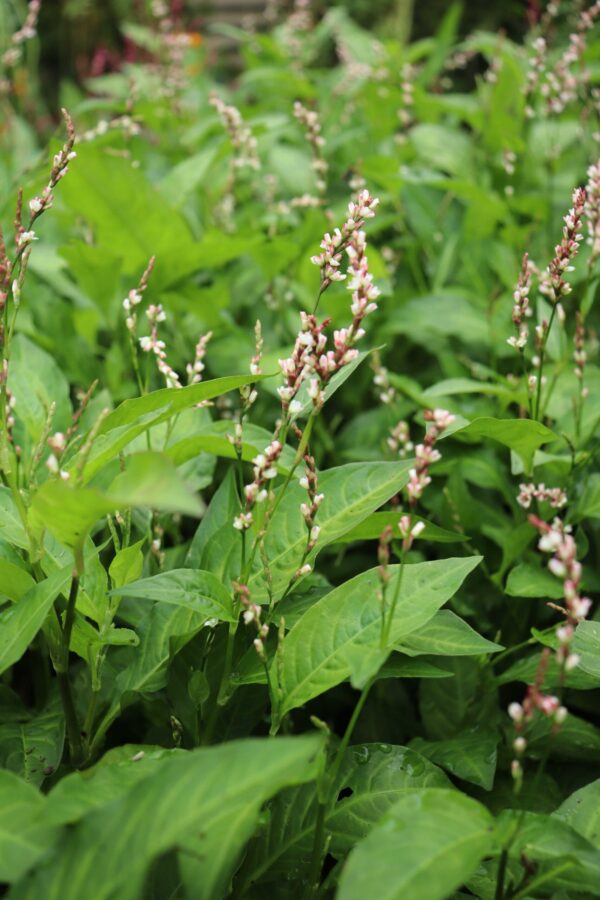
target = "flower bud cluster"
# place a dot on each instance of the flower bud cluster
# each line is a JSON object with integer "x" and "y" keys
{"x": 567, "y": 76}
{"x": 558, "y": 540}
{"x": 381, "y": 379}
{"x": 554, "y": 285}
{"x": 556, "y": 497}
{"x": 309, "y": 482}
{"x": 26, "y": 32}
{"x": 426, "y": 454}
{"x": 195, "y": 369}
{"x": 134, "y": 298}
{"x": 57, "y": 444}
{"x": 252, "y": 614}
{"x": 255, "y": 362}
{"x": 521, "y": 308}
{"x": 592, "y": 210}
{"x": 242, "y": 139}
{"x": 333, "y": 245}
{"x": 408, "y": 531}
{"x": 579, "y": 355}
{"x": 399, "y": 440}
{"x": 405, "y": 113}
{"x": 152, "y": 344}
{"x": 265, "y": 469}
{"x": 310, "y": 120}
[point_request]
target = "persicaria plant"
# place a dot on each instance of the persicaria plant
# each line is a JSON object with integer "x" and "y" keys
{"x": 299, "y": 550}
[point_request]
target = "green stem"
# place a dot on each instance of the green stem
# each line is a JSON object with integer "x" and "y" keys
{"x": 329, "y": 796}
{"x": 499, "y": 893}
{"x": 540, "y": 880}
{"x": 538, "y": 395}
{"x": 62, "y": 674}
{"x": 390, "y": 617}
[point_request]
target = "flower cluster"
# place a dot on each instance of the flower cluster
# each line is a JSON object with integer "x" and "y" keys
{"x": 310, "y": 120}
{"x": 408, "y": 531}
{"x": 426, "y": 454}
{"x": 556, "y": 497}
{"x": 537, "y": 67}
{"x": 256, "y": 360}
{"x": 405, "y": 113}
{"x": 252, "y": 613}
{"x": 151, "y": 344}
{"x": 558, "y": 540}
{"x": 57, "y": 443}
{"x": 195, "y": 369}
{"x": 308, "y": 352}
{"x": 399, "y": 440}
{"x": 381, "y": 379}
{"x": 26, "y": 32}
{"x": 242, "y": 139}
{"x": 309, "y": 482}
{"x": 592, "y": 210}
{"x": 554, "y": 285}
{"x": 134, "y": 298}
{"x": 265, "y": 469}
{"x": 333, "y": 245}
{"x": 567, "y": 75}
{"x": 521, "y": 308}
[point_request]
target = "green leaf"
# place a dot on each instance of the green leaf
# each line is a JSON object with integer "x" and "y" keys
{"x": 215, "y": 439}
{"x": 426, "y": 846}
{"x": 137, "y": 415}
{"x": 14, "y": 580}
{"x": 588, "y": 505}
{"x": 127, "y": 564}
{"x": 399, "y": 666}
{"x": 351, "y": 492}
{"x": 11, "y": 526}
{"x": 371, "y": 779}
{"x": 372, "y": 527}
{"x": 554, "y": 846}
{"x": 20, "y": 623}
{"x": 451, "y": 705}
{"x": 446, "y": 634}
{"x": 586, "y": 643}
{"x": 193, "y": 589}
{"x": 33, "y": 748}
{"x": 527, "y": 580}
{"x": 470, "y": 755}
{"x": 582, "y": 812}
{"x": 523, "y": 436}
{"x": 204, "y": 803}
{"x": 338, "y": 637}
{"x": 25, "y": 835}
{"x": 163, "y": 631}
{"x": 150, "y": 479}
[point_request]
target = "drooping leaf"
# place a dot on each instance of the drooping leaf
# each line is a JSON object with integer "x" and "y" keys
{"x": 582, "y": 812}
{"x": 33, "y": 746}
{"x": 523, "y": 436}
{"x": 338, "y": 637}
{"x": 424, "y": 848}
{"x": 372, "y": 527}
{"x": 193, "y": 589}
{"x": 204, "y": 803}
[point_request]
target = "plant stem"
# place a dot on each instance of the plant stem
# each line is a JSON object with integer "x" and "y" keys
{"x": 329, "y": 796}
{"x": 62, "y": 674}
{"x": 390, "y": 617}
{"x": 538, "y": 394}
{"x": 499, "y": 893}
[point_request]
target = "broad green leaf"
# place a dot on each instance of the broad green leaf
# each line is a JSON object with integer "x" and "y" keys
{"x": 554, "y": 846}
{"x": 20, "y": 623}
{"x": 193, "y": 589}
{"x": 150, "y": 479}
{"x": 525, "y": 670}
{"x": 372, "y": 527}
{"x": 582, "y": 812}
{"x": 137, "y": 415}
{"x": 204, "y": 803}
{"x": 586, "y": 643}
{"x": 471, "y": 755}
{"x": 424, "y": 848}
{"x": 399, "y": 666}
{"x": 111, "y": 777}
{"x": 25, "y": 834}
{"x": 220, "y": 514}
{"x": 11, "y": 526}
{"x": 372, "y": 778}
{"x": 14, "y": 580}
{"x": 163, "y": 631}
{"x": 588, "y": 506}
{"x": 523, "y": 436}
{"x": 526, "y": 580}
{"x": 351, "y": 492}
{"x": 32, "y": 747}
{"x": 446, "y": 634}
{"x": 338, "y": 637}
{"x": 127, "y": 564}
{"x": 576, "y": 739}
{"x": 215, "y": 439}
{"x": 36, "y": 382}
{"x": 451, "y": 705}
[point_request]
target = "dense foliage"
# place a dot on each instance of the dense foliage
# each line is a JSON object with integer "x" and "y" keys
{"x": 297, "y": 542}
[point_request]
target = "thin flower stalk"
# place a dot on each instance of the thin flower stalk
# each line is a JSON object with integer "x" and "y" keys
{"x": 556, "y": 497}
{"x": 309, "y": 118}
{"x": 28, "y": 30}
{"x": 580, "y": 359}
{"x": 333, "y": 245}
{"x": 195, "y": 369}
{"x": 592, "y": 212}
{"x": 426, "y": 453}
{"x": 153, "y": 344}
{"x": 554, "y": 284}
{"x": 242, "y": 140}
{"x": 258, "y": 490}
